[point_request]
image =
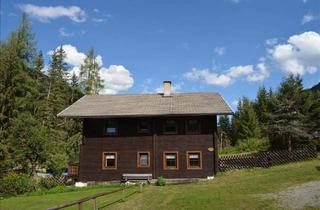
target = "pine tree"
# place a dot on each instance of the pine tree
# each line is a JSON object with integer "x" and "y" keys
{"x": 245, "y": 121}
{"x": 261, "y": 108}
{"x": 58, "y": 95}
{"x": 287, "y": 120}
{"x": 90, "y": 80}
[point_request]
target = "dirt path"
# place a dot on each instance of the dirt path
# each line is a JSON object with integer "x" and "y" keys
{"x": 298, "y": 197}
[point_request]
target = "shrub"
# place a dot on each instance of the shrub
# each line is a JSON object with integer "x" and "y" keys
{"x": 247, "y": 146}
{"x": 161, "y": 181}
{"x": 16, "y": 184}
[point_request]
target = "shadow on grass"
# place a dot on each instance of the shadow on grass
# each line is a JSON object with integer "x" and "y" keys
{"x": 318, "y": 168}
{"x": 118, "y": 201}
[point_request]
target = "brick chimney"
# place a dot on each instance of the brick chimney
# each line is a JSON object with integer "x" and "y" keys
{"x": 166, "y": 88}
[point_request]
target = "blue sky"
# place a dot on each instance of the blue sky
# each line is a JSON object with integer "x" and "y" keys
{"x": 226, "y": 46}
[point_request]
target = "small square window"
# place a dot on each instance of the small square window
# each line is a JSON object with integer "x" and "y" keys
{"x": 170, "y": 160}
{"x": 170, "y": 127}
{"x": 143, "y": 126}
{"x": 111, "y": 127}
{"x": 192, "y": 126}
{"x": 194, "y": 160}
{"x": 143, "y": 159}
{"x": 109, "y": 160}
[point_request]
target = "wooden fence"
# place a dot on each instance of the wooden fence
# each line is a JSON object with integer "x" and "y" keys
{"x": 265, "y": 159}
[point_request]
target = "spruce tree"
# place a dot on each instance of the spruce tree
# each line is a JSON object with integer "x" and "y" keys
{"x": 90, "y": 80}
{"x": 261, "y": 108}
{"x": 288, "y": 120}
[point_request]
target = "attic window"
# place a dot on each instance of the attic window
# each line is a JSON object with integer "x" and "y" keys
{"x": 143, "y": 126}
{"x": 192, "y": 126}
{"x": 111, "y": 128}
{"x": 170, "y": 127}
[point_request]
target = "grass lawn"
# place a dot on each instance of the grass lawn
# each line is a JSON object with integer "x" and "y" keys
{"x": 242, "y": 189}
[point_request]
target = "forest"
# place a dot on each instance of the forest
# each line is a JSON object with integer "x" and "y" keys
{"x": 32, "y": 93}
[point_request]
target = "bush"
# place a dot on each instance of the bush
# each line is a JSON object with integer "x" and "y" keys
{"x": 247, "y": 146}
{"x": 161, "y": 181}
{"x": 16, "y": 184}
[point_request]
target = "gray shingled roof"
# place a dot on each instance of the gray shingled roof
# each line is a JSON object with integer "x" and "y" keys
{"x": 147, "y": 105}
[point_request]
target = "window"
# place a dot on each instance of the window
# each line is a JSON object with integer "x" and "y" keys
{"x": 111, "y": 127}
{"x": 109, "y": 160}
{"x": 143, "y": 159}
{"x": 194, "y": 160}
{"x": 143, "y": 126}
{"x": 170, "y": 127}
{"x": 170, "y": 160}
{"x": 192, "y": 126}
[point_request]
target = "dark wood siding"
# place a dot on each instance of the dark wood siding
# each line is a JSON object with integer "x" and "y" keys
{"x": 128, "y": 142}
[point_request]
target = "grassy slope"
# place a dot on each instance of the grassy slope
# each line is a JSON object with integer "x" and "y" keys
{"x": 34, "y": 202}
{"x": 233, "y": 190}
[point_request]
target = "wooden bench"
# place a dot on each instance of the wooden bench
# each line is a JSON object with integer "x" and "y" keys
{"x": 136, "y": 177}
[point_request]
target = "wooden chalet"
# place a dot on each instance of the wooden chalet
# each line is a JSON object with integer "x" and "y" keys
{"x": 173, "y": 135}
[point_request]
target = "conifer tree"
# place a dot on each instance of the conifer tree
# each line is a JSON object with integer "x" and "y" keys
{"x": 90, "y": 80}
{"x": 287, "y": 120}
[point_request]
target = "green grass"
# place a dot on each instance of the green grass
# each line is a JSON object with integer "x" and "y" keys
{"x": 241, "y": 189}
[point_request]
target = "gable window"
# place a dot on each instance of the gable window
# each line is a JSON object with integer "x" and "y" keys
{"x": 109, "y": 160}
{"x": 143, "y": 159}
{"x": 143, "y": 126}
{"x": 192, "y": 126}
{"x": 111, "y": 128}
{"x": 194, "y": 160}
{"x": 170, "y": 160}
{"x": 170, "y": 127}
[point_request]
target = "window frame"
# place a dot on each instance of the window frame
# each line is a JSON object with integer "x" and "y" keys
{"x": 188, "y": 160}
{"x": 105, "y": 128}
{"x": 138, "y": 159}
{"x": 193, "y": 132}
{"x": 164, "y": 126}
{"x": 164, "y": 161}
{"x": 104, "y": 167}
{"x": 138, "y": 126}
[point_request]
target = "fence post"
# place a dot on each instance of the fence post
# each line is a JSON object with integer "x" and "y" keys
{"x": 80, "y": 206}
{"x": 141, "y": 186}
{"x": 94, "y": 204}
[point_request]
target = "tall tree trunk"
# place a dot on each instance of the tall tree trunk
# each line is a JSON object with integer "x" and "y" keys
{"x": 49, "y": 90}
{"x": 33, "y": 168}
{"x": 289, "y": 144}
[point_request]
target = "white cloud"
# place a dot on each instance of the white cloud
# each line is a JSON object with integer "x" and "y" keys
{"x": 271, "y": 42}
{"x": 230, "y": 76}
{"x": 238, "y": 71}
{"x": 220, "y": 50}
{"x": 116, "y": 77}
{"x": 235, "y": 103}
{"x": 300, "y": 55}
{"x": 308, "y": 18}
{"x": 45, "y": 14}
{"x": 208, "y": 77}
{"x": 259, "y": 75}
{"x": 63, "y": 32}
